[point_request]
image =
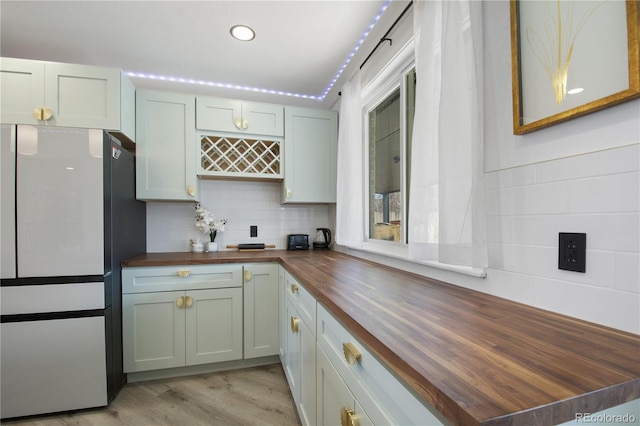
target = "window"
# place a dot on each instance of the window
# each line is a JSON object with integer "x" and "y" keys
{"x": 389, "y": 125}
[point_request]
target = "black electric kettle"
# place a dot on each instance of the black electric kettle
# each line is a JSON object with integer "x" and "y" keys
{"x": 322, "y": 239}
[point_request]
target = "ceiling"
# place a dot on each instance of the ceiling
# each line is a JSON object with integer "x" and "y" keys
{"x": 299, "y": 48}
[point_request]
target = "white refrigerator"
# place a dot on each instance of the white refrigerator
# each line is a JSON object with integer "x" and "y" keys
{"x": 68, "y": 218}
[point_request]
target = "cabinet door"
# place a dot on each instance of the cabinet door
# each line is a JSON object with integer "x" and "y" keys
{"x": 220, "y": 114}
{"x": 154, "y": 331}
{"x": 213, "y": 325}
{"x": 307, "y": 402}
{"x": 260, "y": 310}
{"x": 8, "y": 201}
{"x": 22, "y": 90}
{"x": 83, "y": 96}
{"x": 230, "y": 115}
{"x": 292, "y": 365}
{"x": 165, "y": 147}
{"x": 311, "y": 140}
{"x": 282, "y": 314}
{"x": 262, "y": 119}
{"x": 303, "y": 301}
{"x": 334, "y": 399}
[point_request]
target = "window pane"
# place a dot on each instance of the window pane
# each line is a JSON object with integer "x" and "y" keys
{"x": 411, "y": 104}
{"x": 385, "y": 170}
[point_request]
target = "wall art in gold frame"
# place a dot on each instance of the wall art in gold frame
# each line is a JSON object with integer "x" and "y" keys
{"x": 571, "y": 58}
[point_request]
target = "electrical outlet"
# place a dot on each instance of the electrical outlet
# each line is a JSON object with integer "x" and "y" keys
{"x": 253, "y": 231}
{"x": 572, "y": 251}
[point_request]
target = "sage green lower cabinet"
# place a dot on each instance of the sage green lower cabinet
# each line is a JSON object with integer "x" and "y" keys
{"x": 153, "y": 332}
{"x": 335, "y": 401}
{"x": 299, "y": 360}
{"x": 382, "y": 396}
{"x": 300, "y": 366}
{"x": 261, "y": 303}
{"x": 282, "y": 315}
{"x": 179, "y": 328}
{"x": 177, "y": 316}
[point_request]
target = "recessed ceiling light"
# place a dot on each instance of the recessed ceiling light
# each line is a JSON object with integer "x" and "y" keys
{"x": 574, "y": 91}
{"x": 242, "y": 33}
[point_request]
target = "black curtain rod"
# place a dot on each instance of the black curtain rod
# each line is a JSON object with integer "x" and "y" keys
{"x": 384, "y": 37}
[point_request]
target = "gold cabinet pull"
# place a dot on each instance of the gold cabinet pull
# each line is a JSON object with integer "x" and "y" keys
{"x": 184, "y": 274}
{"x": 294, "y": 288}
{"x": 42, "y": 113}
{"x": 191, "y": 190}
{"x": 245, "y": 124}
{"x": 294, "y": 324}
{"x": 351, "y": 353}
{"x": 348, "y": 417}
{"x": 288, "y": 192}
{"x": 247, "y": 275}
{"x": 188, "y": 302}
{"x": 180, "y": 302}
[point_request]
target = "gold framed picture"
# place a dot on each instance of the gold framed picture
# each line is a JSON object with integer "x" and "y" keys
{"x": 571, "y": 58}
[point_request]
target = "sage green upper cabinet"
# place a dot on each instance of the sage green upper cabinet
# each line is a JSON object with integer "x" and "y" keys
{"x": 234, "y": 116}
{"x": 165, "y": 148}
{"x": 66, "y": 95}
{"x": 310, "y": 155}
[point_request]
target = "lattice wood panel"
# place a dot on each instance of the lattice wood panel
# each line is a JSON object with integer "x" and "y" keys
{"x": 227, "y": 156}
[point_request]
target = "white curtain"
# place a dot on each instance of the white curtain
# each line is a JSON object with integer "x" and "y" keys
{"x": 446, "y": 206}
{"x": 350, "y": 180}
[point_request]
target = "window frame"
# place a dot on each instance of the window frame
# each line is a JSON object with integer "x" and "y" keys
{"x": 391, "y": 78}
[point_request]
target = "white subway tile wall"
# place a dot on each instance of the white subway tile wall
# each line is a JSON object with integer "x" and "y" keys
{"x": 170, "y": 226}
{"x": 595, "y": 193}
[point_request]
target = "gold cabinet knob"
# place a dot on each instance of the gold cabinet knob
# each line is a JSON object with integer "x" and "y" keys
{"x": 191, "y": 191}
{"x": 42, "y": 113}
{"x": 247, "y": 275}
{"x": 188, "y": 302}
{"x": 238, "y": 123}
{"x": 180, "y": 302}
{"x": 348, "y": 417}
{"x": 184, "y": 274}
{"x": 351, "y": 353}
{"x": 245, "y": 124}
{"x": 294, "y": 324}
{"x": 288, "y": 192}
{"x": 294, "y": 288}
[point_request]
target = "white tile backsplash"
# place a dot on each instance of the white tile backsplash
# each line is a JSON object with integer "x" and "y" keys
{"x": 596, "y": 193}
{"x": 243, "y": 203}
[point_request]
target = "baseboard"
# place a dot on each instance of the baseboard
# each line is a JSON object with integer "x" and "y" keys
{"x": 165, "y": 373}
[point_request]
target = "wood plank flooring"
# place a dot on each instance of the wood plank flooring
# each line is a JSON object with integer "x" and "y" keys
{"x": 252, "y": 396}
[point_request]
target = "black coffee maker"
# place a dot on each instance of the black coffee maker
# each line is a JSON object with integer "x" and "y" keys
{"x": 322, "y": 239}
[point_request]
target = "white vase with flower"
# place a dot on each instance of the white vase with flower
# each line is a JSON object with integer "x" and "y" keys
{"x": 207, "y": 223}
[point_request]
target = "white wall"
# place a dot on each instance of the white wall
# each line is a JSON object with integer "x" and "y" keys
{"x": 243, "y": 203}
{"x": 579, "y": 176}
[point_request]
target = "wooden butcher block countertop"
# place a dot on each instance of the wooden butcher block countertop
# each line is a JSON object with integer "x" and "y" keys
{"x": 476, "y": 358}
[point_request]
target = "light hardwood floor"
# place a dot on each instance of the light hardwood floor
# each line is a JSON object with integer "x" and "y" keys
{"x": 252, "y": 396}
